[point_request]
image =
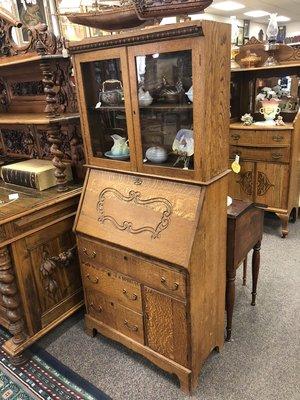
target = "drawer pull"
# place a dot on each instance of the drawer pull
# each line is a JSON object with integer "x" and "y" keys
{"x": 91, "y": 256}
{"x": 132, "y": 328}
{"x": 98, "y": 309}
{"x": 278, "y": 138}
{"x": 235, "y": 136}
{"x": 173, "y": 288}
{"x": 92, "y": 279}
{"x": 129, "y": 296}
{"x": 277, "y": 156}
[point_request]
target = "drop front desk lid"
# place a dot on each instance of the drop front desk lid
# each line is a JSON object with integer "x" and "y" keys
{"x": 151, "y": 216}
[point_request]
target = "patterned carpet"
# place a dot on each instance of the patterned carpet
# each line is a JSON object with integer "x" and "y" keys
{"x": 42, "y": 377}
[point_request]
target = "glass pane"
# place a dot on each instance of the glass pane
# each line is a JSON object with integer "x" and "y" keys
{"x": 103, "y": 87}
{"x": 165, "y": 95}
{"x": 286, "y": 89}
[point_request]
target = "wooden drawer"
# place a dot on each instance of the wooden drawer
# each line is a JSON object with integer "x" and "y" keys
{"x": 259, "y": 137}
{"x": 165, "y": 279}
{"x": 278, "y": 154}
{"x": 45, "y": 216}
{"x": 112, "y": 284}
{"x": 111, "y": 313}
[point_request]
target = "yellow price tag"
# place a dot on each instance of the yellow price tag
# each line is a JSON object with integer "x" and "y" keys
{"x": 235, "y": 166}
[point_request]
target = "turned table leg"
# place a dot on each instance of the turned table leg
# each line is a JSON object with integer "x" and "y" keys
{"x": 11, "y": 300}
{"x": 230, "y": 297}
{"x": 255, "y": 270}
{"x": 245, "y": 271}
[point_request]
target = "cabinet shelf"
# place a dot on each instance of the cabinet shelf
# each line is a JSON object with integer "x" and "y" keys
{"x": 159, "y": 107}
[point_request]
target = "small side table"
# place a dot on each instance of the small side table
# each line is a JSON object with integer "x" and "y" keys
{"x": 244, "y": 233}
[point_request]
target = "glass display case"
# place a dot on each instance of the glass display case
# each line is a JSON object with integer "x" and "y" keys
{"x": 139, "y": 108}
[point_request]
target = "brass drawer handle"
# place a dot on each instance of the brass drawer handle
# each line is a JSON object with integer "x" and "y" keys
{"x": 277, "y": 156}
{"x": 92, "y": 279}
{"x": 91, "y": 256}
{"x": 132, "y": 328}
{"x": 129, "y": 296}
{"x": 235, "y": 136}
{"x": 164, "y": 282}
{"x": 278, "y": 138}
{"x": 98, "y": 309}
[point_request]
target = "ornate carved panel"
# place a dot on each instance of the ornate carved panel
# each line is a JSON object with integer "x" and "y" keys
{"x": 32, "y": 88}
{"x": 3, "y": 95}
{"x": 50, "y": 264}
{"x": 134, "y": 227}
{"x": 66, "y": 94}
{"x": 263, "y": 183}
{"x": 20, "y": 141}
{"x": 246, "y": 182}
{"x": 39, "y": 37}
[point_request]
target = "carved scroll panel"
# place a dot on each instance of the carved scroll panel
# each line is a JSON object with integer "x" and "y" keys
{"x": 151, "y": 216}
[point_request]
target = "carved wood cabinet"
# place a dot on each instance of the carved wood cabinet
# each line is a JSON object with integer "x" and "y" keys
{"x": 151, "y": 232}
{"x": 269, "y": 155}
{"x": 40, "y": 282}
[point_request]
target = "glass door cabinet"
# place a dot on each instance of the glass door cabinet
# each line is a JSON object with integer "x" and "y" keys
{"x": 139, "y": 108}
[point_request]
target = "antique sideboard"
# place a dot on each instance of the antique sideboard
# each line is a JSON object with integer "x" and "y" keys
{"x": 269, "y": 154}
{"x": 151, "y": 224}
{"x": 40, "y": 282}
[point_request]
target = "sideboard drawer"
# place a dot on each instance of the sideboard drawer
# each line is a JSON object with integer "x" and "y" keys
{"x": 278, "y": 154}
{"x": 163, "y": 278}
{"x": 259, "y": 137}
{"x": 111, "y": 313}
{"x": 112, "y": 284}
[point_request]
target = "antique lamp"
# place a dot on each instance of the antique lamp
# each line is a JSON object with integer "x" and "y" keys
{"x": 234, "y": 36}
{"x": 272, "y": 46}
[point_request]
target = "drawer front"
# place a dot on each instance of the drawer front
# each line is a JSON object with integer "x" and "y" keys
{"x": 111, "y": 313}
{"x": 146, "y": 215}
{"x": 260, "y": 137}
{"x": 114, "y": 285}
{"x": 278, "y": 154}
{"x": 165, "y": 279}
{"x": 45, "y": 216}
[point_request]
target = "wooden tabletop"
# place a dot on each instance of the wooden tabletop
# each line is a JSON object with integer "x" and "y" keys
{"x": 29, "y": 200}
{"x": 34, "y": 118}
{"x": 237, "y": 208}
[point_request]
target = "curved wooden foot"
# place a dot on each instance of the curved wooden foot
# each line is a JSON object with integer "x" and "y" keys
{"x": 90, "y": 331}
{"x": 284, "y": 223}
{"x": 185, "y": 383}
{"x": 293, "y": 215}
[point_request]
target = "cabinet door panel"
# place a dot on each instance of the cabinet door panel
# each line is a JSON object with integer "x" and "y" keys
{"x": 166, "y": 326}
{"x": 48, "y": 288}
{"x": 272, "y": 185}
{"x": 241, "y": 186}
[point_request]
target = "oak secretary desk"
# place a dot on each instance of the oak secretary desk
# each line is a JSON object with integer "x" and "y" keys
{"x": 152, "y": 236}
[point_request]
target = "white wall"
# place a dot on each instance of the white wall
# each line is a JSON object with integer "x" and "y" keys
{"x": 292, "y": 29}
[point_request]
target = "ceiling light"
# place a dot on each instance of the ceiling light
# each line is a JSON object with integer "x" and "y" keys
{"x": 228, "y": 6}
{"x": 257, "y": 13}
{"x": 282, "y": 18}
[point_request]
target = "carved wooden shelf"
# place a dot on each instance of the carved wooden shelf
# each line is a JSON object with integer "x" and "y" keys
{"x": 274, "y": 67}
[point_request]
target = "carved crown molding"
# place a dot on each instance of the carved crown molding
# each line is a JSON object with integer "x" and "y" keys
{"x": 115, "y": 41}
{"x": 40, "y": 39}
